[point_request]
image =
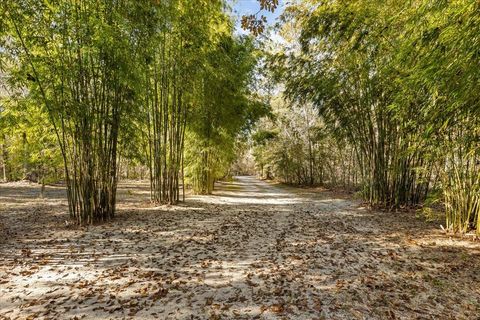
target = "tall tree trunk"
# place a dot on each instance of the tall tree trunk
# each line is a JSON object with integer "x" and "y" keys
{"x": 4, "y": 158}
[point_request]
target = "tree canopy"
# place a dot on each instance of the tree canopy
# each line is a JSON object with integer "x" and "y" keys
{"x": 375, "y": 97}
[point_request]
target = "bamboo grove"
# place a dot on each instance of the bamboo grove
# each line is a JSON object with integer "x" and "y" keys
{"x": 377, "y": 97}
{"x": 395, "y": 85}
{"x": 116, "y": 79}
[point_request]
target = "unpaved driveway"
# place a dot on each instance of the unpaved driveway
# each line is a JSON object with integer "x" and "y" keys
{"x": 251, "y": 251}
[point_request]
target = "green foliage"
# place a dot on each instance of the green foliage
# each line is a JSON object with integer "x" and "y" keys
{"x": 378, "y": 93}
{"x": 78, "y": 63}
{"x": 225, "y": 109}
{"x": 293, "y": 146}
{"x": 396, "y": 80}
{"x": 29, "y": 146}
{"x": 116, "y": 84}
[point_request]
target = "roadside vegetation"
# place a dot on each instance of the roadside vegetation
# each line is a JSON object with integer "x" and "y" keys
{"x": 380, "y": 98}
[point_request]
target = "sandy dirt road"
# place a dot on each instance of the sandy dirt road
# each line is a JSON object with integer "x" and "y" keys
{"x": 252, "y": 250}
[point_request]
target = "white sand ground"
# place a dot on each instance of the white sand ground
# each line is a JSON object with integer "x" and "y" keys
{"x": 251, "y": 251}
